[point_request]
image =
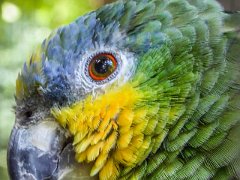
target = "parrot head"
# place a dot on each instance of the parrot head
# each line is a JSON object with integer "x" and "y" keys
{"x": 131, "y": 90}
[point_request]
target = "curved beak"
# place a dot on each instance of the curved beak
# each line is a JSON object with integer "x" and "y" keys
{"x": 44, "y": 151}
{"x": 34, "y": 152}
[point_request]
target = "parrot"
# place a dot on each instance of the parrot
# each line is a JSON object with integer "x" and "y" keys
{"x": 137, "y": 89}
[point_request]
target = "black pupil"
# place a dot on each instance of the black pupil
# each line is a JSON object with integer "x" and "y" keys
{"x": 103, "y": 65}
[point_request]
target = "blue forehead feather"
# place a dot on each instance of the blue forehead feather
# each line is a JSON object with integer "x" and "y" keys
{"x": 110, "y": 26}
{"x": 65, "y": 49}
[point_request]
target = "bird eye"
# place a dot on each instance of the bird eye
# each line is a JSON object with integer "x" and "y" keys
{"x": 102, "y": 66}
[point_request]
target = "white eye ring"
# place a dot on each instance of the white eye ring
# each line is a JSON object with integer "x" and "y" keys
{"x": 125, "y": 69}
{"x": 112, "y": 75}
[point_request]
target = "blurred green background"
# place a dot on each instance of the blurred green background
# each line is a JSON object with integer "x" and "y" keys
{"x": 23, "y": 26}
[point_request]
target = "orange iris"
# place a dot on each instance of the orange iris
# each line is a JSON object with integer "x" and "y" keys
{"x": 102, "y": 66}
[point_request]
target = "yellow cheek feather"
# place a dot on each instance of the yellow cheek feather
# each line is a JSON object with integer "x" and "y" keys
{"x": 108, "y": 130}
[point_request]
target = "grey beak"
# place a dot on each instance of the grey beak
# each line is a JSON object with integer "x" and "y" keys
{"x": 34, "y": 151}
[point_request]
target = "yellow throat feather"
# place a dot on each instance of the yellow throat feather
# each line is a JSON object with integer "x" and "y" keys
{"x": 108, "y": 130}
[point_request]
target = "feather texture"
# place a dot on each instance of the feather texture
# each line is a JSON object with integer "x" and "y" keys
{"x": 178, "y": 115}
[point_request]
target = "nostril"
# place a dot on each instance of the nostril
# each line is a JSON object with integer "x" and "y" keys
{"x": 25, "y": 117}
{"x": 28, "y": 114}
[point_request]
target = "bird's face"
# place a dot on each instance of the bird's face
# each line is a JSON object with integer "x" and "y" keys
{"x": 75, "y": 90}
{"x": 99, "y": 96}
